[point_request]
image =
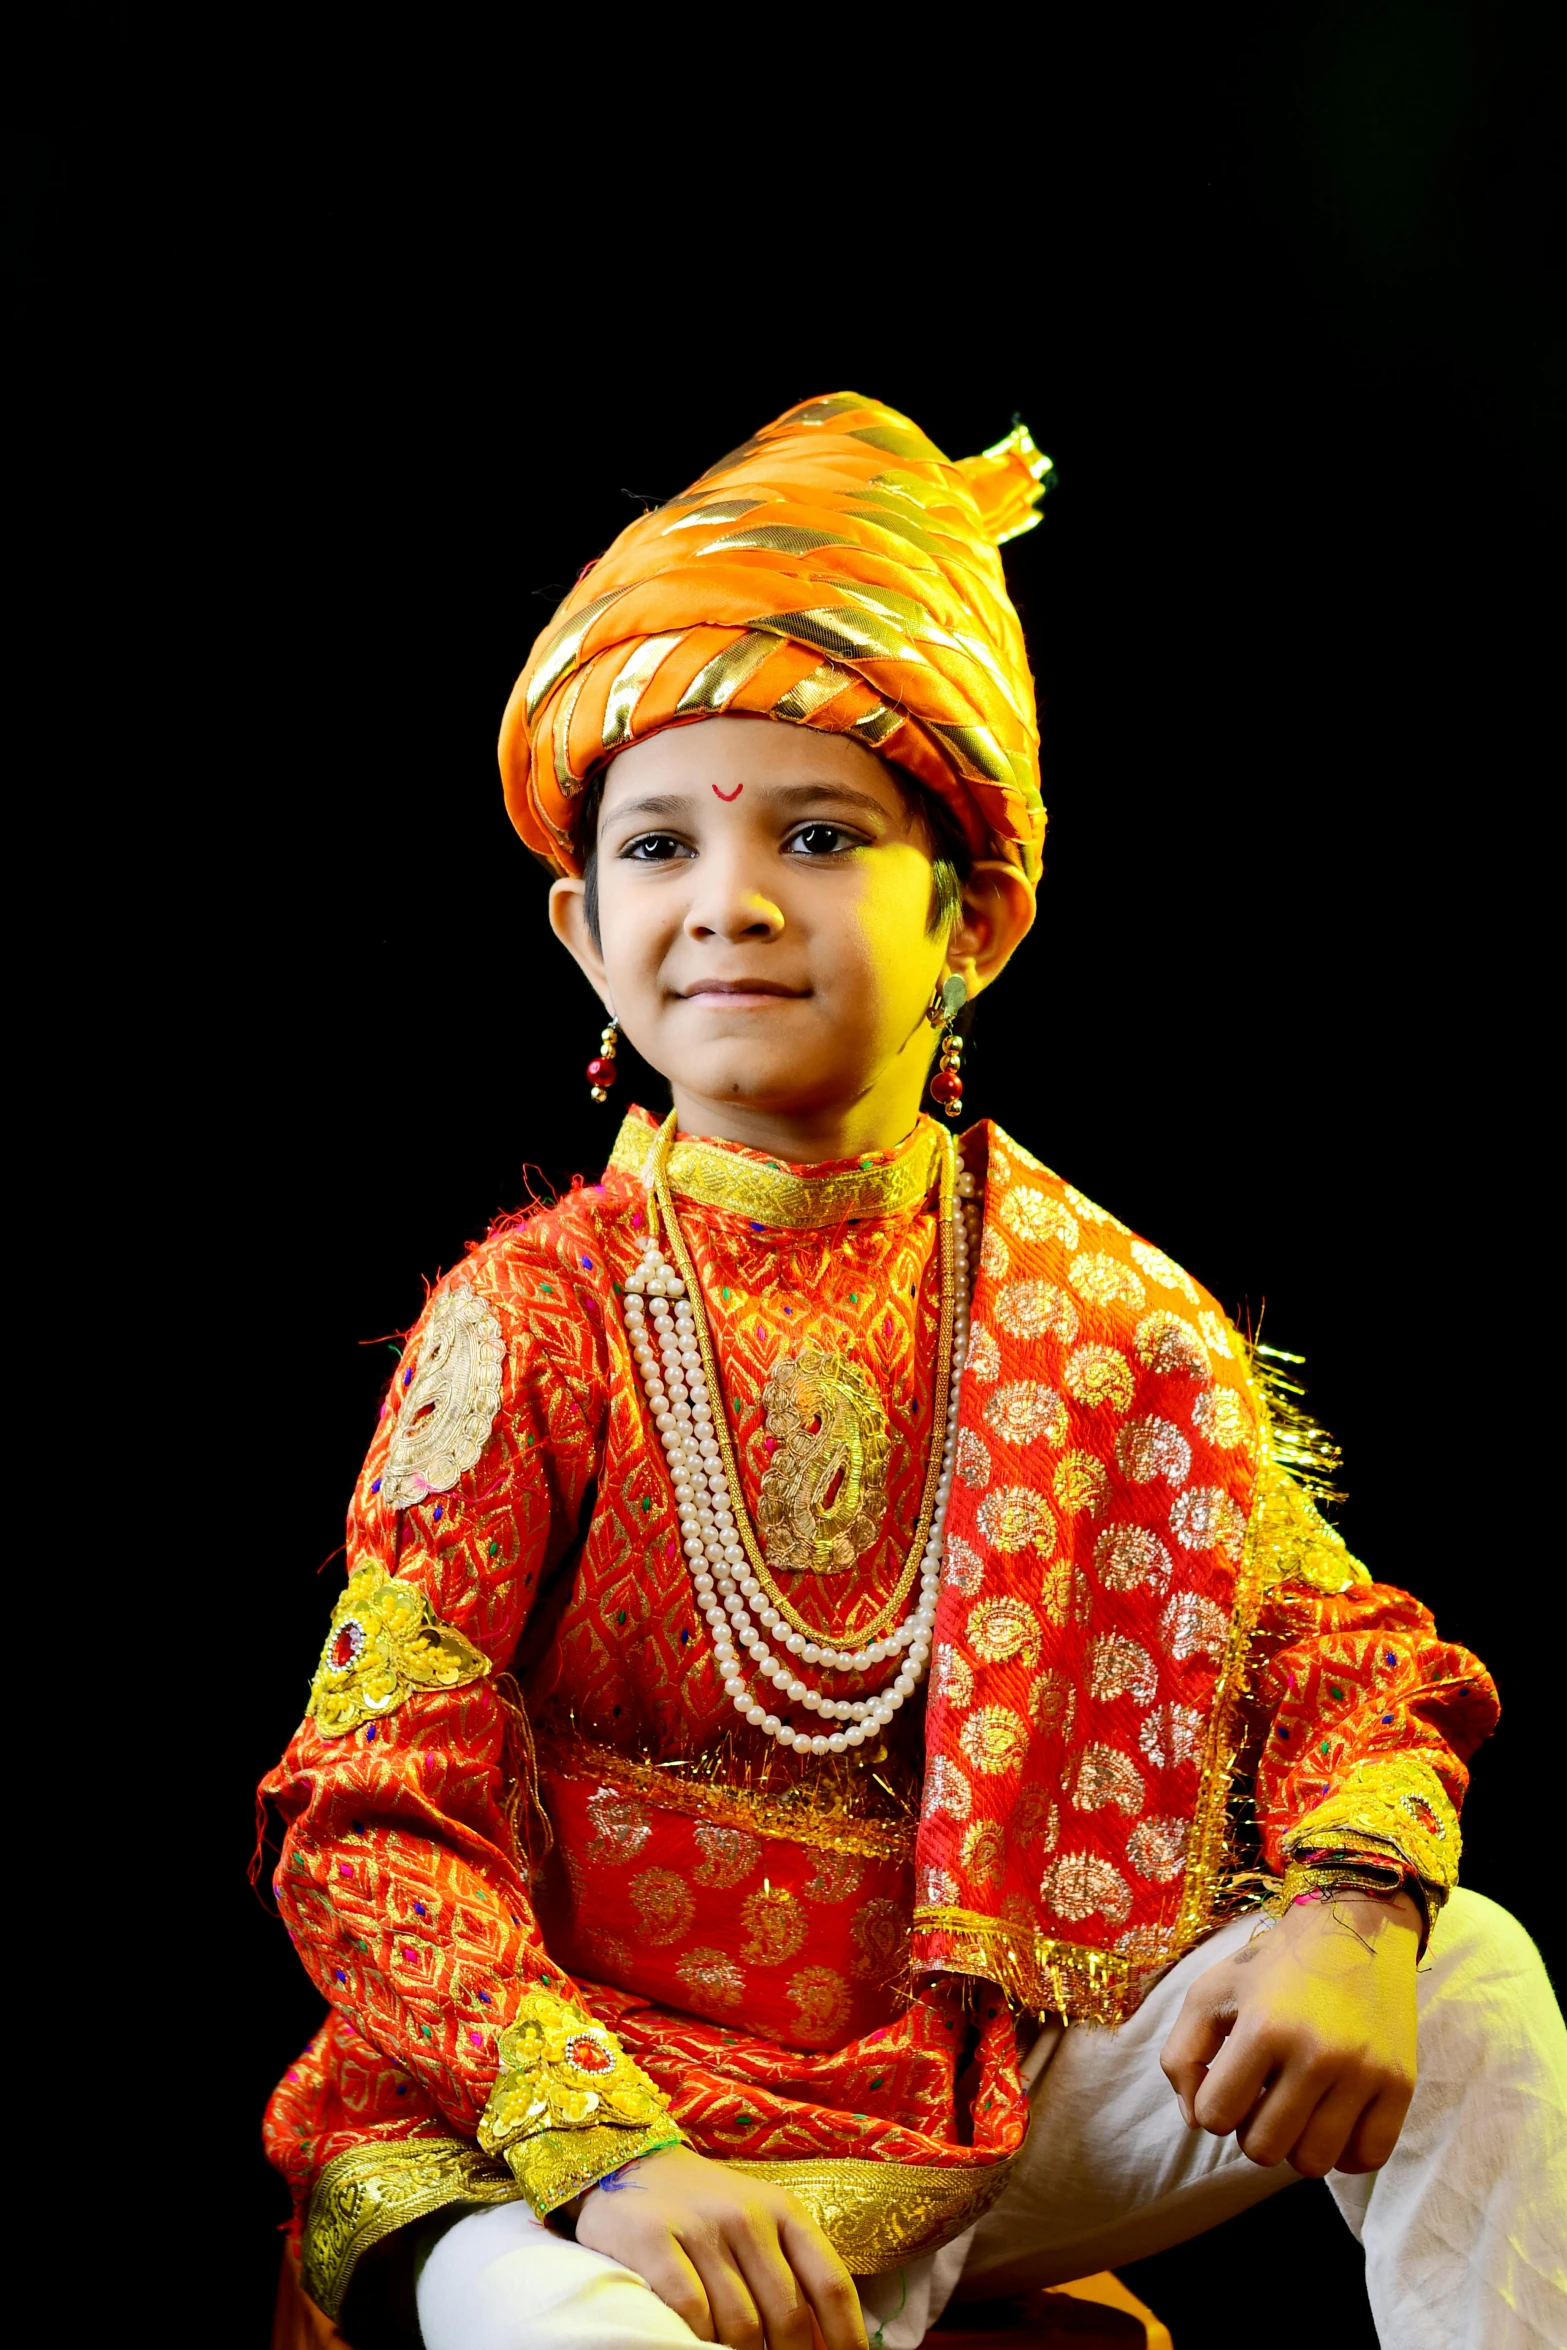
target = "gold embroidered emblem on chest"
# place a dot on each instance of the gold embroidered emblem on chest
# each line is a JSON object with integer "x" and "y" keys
{"x": 824, "y": 1494}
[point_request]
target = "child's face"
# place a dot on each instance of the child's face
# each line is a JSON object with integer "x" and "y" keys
{"x": 764, "y": 897}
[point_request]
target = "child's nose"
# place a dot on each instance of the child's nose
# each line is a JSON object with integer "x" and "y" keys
{"x": 728, "y": 903}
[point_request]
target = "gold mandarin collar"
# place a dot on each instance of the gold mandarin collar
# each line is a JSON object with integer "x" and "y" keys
{"x": 771, "y": 1191}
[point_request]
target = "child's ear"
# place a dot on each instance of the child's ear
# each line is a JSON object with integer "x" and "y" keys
{"x": 997, "y": 915}
{"x": 569, "y": 921}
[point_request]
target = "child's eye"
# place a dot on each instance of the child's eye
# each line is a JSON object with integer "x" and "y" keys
{"x": 824, "y": 840}
{"x": 653, "y": 848}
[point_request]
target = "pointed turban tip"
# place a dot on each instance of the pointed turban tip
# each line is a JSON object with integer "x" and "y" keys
{"x": 1009, "y": 481}
{"x": 835, "y": 571}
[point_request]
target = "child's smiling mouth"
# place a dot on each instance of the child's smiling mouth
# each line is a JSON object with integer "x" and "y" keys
{"x": 739, "y": 995}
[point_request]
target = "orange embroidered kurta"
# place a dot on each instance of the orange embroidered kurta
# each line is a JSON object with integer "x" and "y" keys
{"x": 808, "y": 1962}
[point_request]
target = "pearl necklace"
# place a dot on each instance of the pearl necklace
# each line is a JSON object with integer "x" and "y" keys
{"x": 670, "y": 1357}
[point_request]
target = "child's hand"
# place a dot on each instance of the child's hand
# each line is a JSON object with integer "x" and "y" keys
{"x": 737, "y": 2258}
{"x": 1303, "y": 2042}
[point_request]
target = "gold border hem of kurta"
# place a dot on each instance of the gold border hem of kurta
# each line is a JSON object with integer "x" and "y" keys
{"x": 373, "y": 2190}
{"x": 876, "y": 2215}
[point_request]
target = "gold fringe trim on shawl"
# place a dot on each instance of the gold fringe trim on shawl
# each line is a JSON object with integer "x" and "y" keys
{"x": 1035, "y": 1970}
{"x": 1289, "y": 1537}
{"x": 1299, "y": 1445}
{"x": 1286, "y": 1535}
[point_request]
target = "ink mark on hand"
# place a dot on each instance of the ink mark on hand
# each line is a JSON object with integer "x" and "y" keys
{"x": 730, "y": 795}
{"x": 616, "y": 2182}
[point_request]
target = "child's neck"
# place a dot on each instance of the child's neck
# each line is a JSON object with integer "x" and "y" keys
{"x": 804, "y": 1134}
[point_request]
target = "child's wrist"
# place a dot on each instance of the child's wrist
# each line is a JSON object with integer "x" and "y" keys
{"x": 614, "y": 2181}
{"x": 1328, "y": 1880}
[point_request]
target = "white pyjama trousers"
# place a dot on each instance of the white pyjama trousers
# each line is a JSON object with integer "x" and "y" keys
{"x": 1464, "y": 2228}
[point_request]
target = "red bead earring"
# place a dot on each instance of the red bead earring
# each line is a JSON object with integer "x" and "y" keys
{"x": 946, "y": 1087}
{"x": 601, "y": 1069}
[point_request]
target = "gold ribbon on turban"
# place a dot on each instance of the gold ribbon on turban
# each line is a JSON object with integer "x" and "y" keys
{"x": 834, "y": 571}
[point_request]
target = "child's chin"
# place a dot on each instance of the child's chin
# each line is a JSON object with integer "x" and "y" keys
{"x": 756, "y": 1082}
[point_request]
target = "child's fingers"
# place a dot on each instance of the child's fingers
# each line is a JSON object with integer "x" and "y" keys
{"x": 1329, "y": 2128}
{"x": 736, "y": 2320}
{"x": 1199, "y": 2033}
{"x": 825, "y": 2282}
{"x": 1376, "y": 2133}
{"x": 1240, "y": 2077}
{"x": 781, "y": 2303}
{"x": 666, "y": 2271}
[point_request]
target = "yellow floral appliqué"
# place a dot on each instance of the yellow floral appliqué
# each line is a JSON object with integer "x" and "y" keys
{"x": 385, "y": 1645}
{"x": 569, "y": 2104}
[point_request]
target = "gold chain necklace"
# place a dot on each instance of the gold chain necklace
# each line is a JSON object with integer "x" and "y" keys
{"x": 662, "y": 1200}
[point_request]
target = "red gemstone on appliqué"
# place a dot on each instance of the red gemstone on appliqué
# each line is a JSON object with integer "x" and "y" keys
{"x": 946, "y": 1086}
{"x": 590, "y": 2056}
{"x": 350, "y": 1640}
{"x": 601, "y": 1072}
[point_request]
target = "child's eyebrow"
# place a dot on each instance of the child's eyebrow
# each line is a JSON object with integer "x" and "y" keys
{"x": 802, "y": 794}
{"x": 656, "y": 804}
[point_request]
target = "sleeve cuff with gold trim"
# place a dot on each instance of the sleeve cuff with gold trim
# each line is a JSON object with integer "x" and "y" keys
{"x": 569, "y": 2106}
{"x": 1391, "y": 1803}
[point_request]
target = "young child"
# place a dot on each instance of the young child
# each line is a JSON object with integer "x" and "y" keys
{"x": 815, "y": 1597}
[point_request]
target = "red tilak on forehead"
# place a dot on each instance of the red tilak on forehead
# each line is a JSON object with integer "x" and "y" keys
{"x": 730, "y": 795}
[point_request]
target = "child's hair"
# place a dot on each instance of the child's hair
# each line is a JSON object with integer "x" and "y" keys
{"x": 951, "y": 858}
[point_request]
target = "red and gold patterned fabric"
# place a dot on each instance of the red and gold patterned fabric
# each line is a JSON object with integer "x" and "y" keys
{"x": 835, "y": 571}
{"x": 808, "y": 1966}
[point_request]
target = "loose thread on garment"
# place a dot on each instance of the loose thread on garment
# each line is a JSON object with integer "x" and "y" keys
{"x": 256, "y": 1865}
{"x": 531, "y": 1828}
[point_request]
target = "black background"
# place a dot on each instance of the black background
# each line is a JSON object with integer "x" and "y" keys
{"x": 340, "y": 367}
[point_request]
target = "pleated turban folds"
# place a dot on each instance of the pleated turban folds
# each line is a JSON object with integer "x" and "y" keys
{"x": 834, "y": 571}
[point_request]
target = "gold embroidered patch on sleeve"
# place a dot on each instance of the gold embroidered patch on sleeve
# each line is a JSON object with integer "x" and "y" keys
{"x": 450, "y": 1405}
{"x": 569, "y": 2104}
{"x": 384, "y": 1645}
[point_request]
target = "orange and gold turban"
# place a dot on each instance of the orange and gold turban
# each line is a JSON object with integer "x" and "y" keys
{"x": 834, "y": 571}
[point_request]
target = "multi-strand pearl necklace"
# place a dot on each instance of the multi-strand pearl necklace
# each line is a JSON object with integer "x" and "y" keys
{"x": 714, "y": 1526}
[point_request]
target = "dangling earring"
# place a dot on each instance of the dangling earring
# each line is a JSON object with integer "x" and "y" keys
{"x": 946, "y": 1087}
{"x": 601, "y": 1069}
